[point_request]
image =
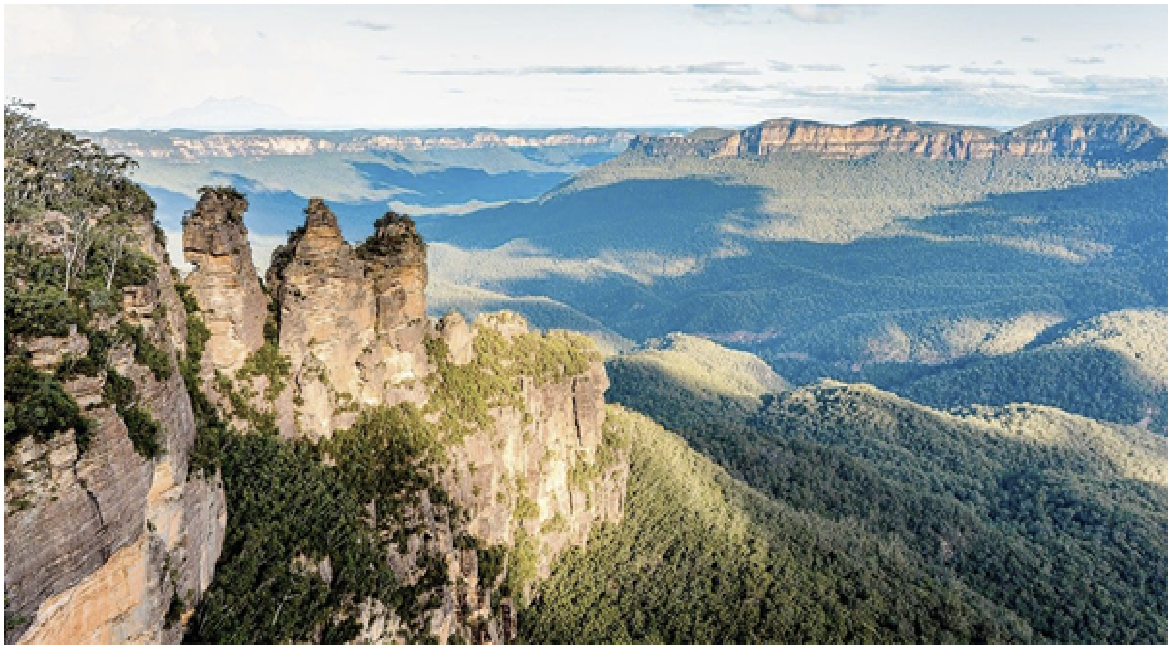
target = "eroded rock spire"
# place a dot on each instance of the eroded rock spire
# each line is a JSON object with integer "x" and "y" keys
{"x": 224, "y": 281}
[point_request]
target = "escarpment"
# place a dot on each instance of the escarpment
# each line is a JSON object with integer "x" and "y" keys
{"x": 518, "y": 465}
{"x": 109, "y": 536}
{"x": 1101, "y": 136}
{"x": 395, "y": 479}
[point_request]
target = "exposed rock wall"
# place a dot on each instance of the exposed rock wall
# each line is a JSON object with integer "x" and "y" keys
{"x": 353, "y": 323}
{"x": 97, "y": 543}
{"x": 1106, "y": 136}
{"x": 327, "y": 314}
{"x": 540, "y": 473}
{"x": 539, "y": 449}
{"x": 229, "y": 145}
{"x": 224, "y": 280}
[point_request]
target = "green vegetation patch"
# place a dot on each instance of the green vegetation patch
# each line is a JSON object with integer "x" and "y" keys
{"x": 46, "y": 311}
{"x": 386, "y": 457}
{"x": 700, "y": 558}
{"x": 464, "y": 394}
{"x": 286, "y": 503}
{"x": 146, "y": 353}
{"x": 267, "y": 361}
{"x": 1012, "y": 503}
{"x": 143, "y": 429}
{"x": 36, "y": 403}
{"x": 205, "y": 455}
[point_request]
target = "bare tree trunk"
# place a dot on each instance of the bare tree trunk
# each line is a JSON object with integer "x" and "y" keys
{"x": 115, "y": 254}
{"x": 76, "y": 244}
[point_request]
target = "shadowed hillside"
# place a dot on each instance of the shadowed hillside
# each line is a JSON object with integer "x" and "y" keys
{"x": 1016, "y": 502}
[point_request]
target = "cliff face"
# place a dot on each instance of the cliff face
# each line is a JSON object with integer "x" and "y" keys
{"x": 102, "y": 541}
{"x": 1105, "y": 136}
{"x": 540, "y": 478}
{"x": 351, "y": 322}
{"x": 532, "y": 471}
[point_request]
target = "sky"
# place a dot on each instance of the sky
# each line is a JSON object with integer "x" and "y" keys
{"x": 94, "y": 67}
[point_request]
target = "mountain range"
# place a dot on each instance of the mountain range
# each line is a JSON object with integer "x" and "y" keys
{"x": 920, "y": 257}
{"x": 890, "y": 382}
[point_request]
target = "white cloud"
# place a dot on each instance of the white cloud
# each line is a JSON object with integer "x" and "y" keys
{"x": 97, "y": 67}
{"x": 970, "y": 69}
{"x": 369, "y": 25}
{"x": 823, "y": 14}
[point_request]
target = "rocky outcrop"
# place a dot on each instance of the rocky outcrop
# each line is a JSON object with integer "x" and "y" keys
{"x": 543, "y": 448}
{"x": 327, "y": 314}
{"x": 103, "y": 543}
{"x": 1112, "y": 137}
{"x": 1107, "y": 137}
{"x": 541, "y": 477}
{"x": 537, "y": 472}
{"x": 224, "y": 280}
{"x": 352, "y": 322}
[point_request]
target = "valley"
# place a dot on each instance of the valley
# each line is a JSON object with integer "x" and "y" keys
{"x": 701, "y": 389}
{"x": 556, "y": 324}
{"x": 918, "y": 257}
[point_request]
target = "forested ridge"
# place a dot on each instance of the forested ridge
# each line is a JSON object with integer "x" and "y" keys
{"x": 1053, "y": 518}
{"x": 701, "y": 558}
{"x": 74, "y": 240}
{"x": 755, "y": 511}
{"x": 882, "y": 269}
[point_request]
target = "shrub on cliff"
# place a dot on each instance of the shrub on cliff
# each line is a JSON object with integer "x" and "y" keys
{"x": 267, "y": 361}
{"x": 395, "y": 234}
{"x": 36, "y": 403}
{"x": 44, "y": 312}
{"x": 290, "y": 506}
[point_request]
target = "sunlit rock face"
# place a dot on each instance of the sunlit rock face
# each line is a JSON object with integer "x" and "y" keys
{"x": 101, "y": 542}
{"x": 530, "y": 457}
{"x": 224, "y": 280}
{"x": 1105, "y": 136}
{"x": 352, "y": 320}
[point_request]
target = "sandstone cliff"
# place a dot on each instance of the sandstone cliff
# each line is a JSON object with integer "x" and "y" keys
{"x": 224, "y": 280}
{"x": 106, "y": 542}
{"x": 452, "y": 462}
{"x": 533, "y": 484}
{"x": 352, "y": 322}
{"x": 1103, "y": 136}
{"x": 519, "y": 414}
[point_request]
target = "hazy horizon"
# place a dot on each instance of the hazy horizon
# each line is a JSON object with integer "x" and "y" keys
{"x": 557, "y": 127}
{"x": 400, "y": 67}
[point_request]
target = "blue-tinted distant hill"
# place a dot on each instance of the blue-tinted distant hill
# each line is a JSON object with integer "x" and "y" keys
{"x": 361, "y": 172}
{"x": 935, "y": 247}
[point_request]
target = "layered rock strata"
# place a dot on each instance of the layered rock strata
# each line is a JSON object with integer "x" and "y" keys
{"x": 224, "y": 280}
{"x": 352, "y": 322}
{"x": 1103, "y": 136}
{"x": 107, "y": 546}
